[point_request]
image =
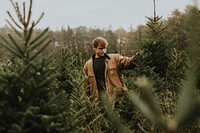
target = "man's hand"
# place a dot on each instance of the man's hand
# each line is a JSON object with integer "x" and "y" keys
{"x": 137, "y": 58}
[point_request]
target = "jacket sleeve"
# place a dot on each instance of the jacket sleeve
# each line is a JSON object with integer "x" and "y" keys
{"x": 129, "y": 62}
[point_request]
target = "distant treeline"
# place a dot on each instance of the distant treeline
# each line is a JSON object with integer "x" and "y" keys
{"x": 120, "y": 40}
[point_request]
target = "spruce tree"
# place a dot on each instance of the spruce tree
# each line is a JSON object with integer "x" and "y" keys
{"x": 28, "y": 103}
{"x": 155, "y": 48}
{"x": 192, "y": 30}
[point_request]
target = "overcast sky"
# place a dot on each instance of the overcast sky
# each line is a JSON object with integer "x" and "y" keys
{"x": 95, "y": 13}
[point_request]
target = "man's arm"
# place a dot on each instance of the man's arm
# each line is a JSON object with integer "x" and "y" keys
{"x": 129, "y": 62}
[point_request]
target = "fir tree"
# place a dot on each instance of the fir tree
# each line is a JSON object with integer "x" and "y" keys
{"x": 155, "y": 48}
{"x": 28, "y": 103}
{"x": 192, "y": 30}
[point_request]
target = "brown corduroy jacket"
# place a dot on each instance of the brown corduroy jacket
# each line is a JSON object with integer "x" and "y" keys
{"x": 114, "y": 63}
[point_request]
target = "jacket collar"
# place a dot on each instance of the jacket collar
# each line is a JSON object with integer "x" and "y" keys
{"x": 105, "y": 55}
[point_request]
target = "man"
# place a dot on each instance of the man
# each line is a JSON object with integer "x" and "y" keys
{"x": 103, "y": 71}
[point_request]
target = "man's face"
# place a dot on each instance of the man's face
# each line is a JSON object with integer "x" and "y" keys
{"x": 100, "y": 51}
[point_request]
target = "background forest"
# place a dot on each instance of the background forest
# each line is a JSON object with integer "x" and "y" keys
{"x": 41, "y": 76}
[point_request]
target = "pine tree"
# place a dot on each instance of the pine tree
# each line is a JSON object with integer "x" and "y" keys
{"x": 155, "y": 48}
{"x": 28, "y": 103}
{"x": 192, "y": 29}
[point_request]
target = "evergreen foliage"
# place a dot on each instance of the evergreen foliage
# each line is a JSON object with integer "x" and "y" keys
{"x": 64, "y": 63}
{"x": 41, "y": 92}
{"x": 192, "y": 20}
{"x": 69, "y": 78}
{"x": 177, "y": 69}
{"x": 167, "y": 118}
{"x": 27, "y": 101}
{"x": 155, "y": 48}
